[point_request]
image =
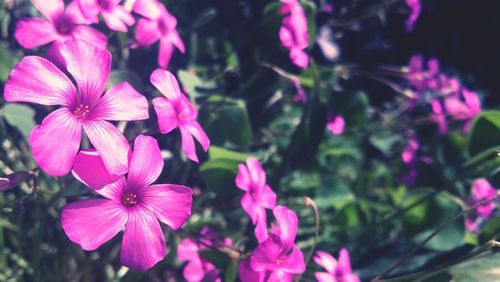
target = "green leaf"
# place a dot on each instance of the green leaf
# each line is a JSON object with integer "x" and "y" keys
{"x": 310, "y": 11}
{"x": 333, "y": 193}
{"x": 216, "y": 258}
{"x": 118, "y": 76}
{"x": 226, "y": 121}
{"x": 485, "y": 268}
{"x": 485, "y": 132}
{"x": 384, "y": 141}
{"x": 19, "y": 116}
{"x": 423, "y": 219}
{"x": 219, "y": 175}
{"x": 192, "y": 83}
{"x": 6, "y": 63}
{"x": 220, "y": 153}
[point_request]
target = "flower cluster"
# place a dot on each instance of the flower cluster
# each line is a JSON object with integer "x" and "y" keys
{"x": 293, "y": 32}
{"x": 481, "y": 190}
{"x": 447, "y": 98}
{"x": 73, "y": 22}
{"x": 74, "y": 76}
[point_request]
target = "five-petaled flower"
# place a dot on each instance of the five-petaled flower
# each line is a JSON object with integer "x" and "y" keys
{"x": 115, "y": 16}
{"x": 60, "y": 25}
{"x": 175, "y": 110}
{"x": 157, "y": 24}
{"x": 56, "y": 141}
{"x": 251, "y": 178}
{"x": 277, "y": 258}
{"x": 129, "y": 203}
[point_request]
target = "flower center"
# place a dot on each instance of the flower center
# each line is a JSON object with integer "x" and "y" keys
{"x": 129, "y": 199}
{"x": 279, "y": 261}
{"x": 163, "y": 26}
{"x": 81, "y": 112}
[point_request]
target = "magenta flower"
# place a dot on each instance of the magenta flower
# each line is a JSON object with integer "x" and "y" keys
{"x": 336, "y": 124}
{"x": 337, "y": 271}
{"x": 174, "y": 110}
{"x": 409, "y": 155}
{"x": 278, "y": 256}
{"x": 293, "y": 32}
{"x": 115, "y": 16}
{"x": 198, "y": 268}
{"x": 157, "y": 24}
{"x": 258, "y": 197}
{"x": 56, "y": 141}
{"x": 481, "y": 190}
{"x": 439, "y": 116}
{"x": 463, "y": 107}
{"x": 415, "y": 8}
{"x": 59, "y": 25}
{"x": 130, "y": 203}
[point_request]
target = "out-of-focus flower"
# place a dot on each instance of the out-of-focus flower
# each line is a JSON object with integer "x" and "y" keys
{"x": 481, "y": 190}
{"x": 328, "y": 47}
{"x": 278, "y": 256}
{"x": 12, "y": 180}
{"x": 336, "y": 124}
{"x": 439, "y": 117}
{"x": 56, "y": 141}
{"x": 337, "y": 270}
{"x": 197, "y": 268}
{"x": 293, "y": 32}
{"x": 415, "y": 8}
{"x": 409, "y": 154}
{"x": 59, "y": 25}
{"x": 301, "y": 95}
{"x": 463, "y": 107}
{"x": 115, "y": 16}
{"x": 251, "y": 178}
{"x": 157, "y": 25}
{"x": 130, "y": 203}
{"x": 176, "y": 111}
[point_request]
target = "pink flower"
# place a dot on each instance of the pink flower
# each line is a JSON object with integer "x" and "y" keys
{"x": 251, "y": 178}
{"x": 415, "y": 8}
{"x": 115, "y": 16}
{"x": 336, "y": 124}
{"x": 130, "y": 203}
{"x": 278, "y": 256}
{"x": 60, "y": 25}
{"x": 481, "y": 190}
{"x": 337, "y": 271}
{"x": 409, "y": 155}
{"x": 158, "y": 24}
{"x": 293, "y": 32}
{"x": 175, "y": 111}
{"x": 197, "y": 268}
{"x": 439, "y": 117}
{"x": 56, "y": 141}
{"x": 464, "y": 107}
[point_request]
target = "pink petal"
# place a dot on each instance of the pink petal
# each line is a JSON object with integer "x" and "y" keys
{"x": 37, "y": 80}
{"x": 287, "y": 223}
{"x": 344, "y": 261}
{"x": 34, "y": 32}
{"x": 257, "y": 173}
{"x": 147, "y": 8}
{"x": 170, "y": 203}
{"x": 89, "y": 66}
{"x": 246, "y": 273}
{"x": 264, "y": 257}
{"x": 90, "y": 35}
{"x": 91, "y": 223}
{"x": 110, "y": 143}
{"x": 195, "y": 129}
{"x": 294, "y": 262}
{"x": 122, "y": 102}
{"x": 299, "y": 57}
{"x": 188, "y": 145}
{"x": 177, "y": 41}
{"x": 194, "y": 271}
{"x": 327, "y": 261}
{"x": 243, "y": 180}
{"x": 187, "y": 250}
{"x": 146, "y": 164}
{"x": 50, "y": 9}
{"x": 267, "y": 198}
{"x": 90, "y": 9}
{"x": 115, "y": 190}
{"x": 260, "y": 231}
{"x": 324, "y": 277}
{"x": 56, "y": 141}
{"x": 280, "y": 276}
{"x": 147, "y": 32}
{"x": 89, "y": 169}
{"x": 166, "y": 82}
{"x": 165, "y": 52}
{"x": 74, "y": 13}
{"x": 167, "y": 117}
{"x": 118, "y": 19}
{"x": 248, "y": 204}
{"x": 286, "y": 37}
{"x": 143, "y": 242}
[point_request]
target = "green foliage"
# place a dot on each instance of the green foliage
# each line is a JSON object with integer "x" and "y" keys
{"x": 19, "y": 116}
